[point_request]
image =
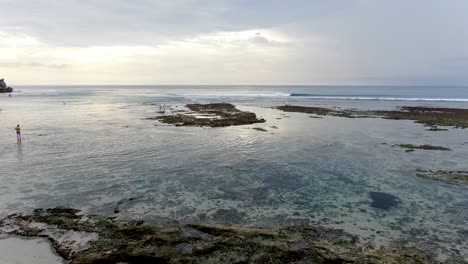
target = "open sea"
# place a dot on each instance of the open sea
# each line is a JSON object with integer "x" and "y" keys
{"x": 91, "y": 148}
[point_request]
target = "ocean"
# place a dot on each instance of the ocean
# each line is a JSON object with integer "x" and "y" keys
{"x": 93, "y": 148}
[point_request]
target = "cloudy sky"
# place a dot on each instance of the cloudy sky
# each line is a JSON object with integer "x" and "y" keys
{"x": 354, "y": 42}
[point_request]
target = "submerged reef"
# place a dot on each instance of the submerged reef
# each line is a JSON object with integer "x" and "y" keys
{"x": 211, "y": 115}
{"x": 384, "y": 201}
{"x": 97, "y": 239}
{"x": 429, "y": 116}
{"x": 454, "y": 177}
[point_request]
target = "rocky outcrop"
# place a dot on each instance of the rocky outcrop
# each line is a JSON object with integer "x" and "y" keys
{"x": 429, "y": 116}
{"x": 4, "y": 87}
{"x": 211, "y": 115}
{"x": 97, "y": 239}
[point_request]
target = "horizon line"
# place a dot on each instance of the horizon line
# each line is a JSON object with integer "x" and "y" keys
{"x": 299, "y": 85}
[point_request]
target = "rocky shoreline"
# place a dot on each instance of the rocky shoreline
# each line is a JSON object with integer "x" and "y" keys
{"x": 211, "y": 115}
{"x": 82, "y": 238}
{"x": 429, "y": 116}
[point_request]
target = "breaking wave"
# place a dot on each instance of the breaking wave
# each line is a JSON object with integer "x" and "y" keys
{"x": 321, "y": 97}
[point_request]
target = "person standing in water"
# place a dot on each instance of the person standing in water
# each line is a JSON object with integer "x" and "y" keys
{"x": 18, "y": 132}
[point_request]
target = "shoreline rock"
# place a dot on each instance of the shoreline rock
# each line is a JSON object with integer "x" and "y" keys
{"x": 4, "y": 87}
{"x": 105, "y": 240}
{"x": 211, "y": 115}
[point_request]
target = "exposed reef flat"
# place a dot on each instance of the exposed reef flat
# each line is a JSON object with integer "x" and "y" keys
{"x": 97, "y": 239}
{"x": 211, "y": 115}
{"x": 430, "y": 116}
{"x": 324, "y": 111}
{"x": 455, "y": 177}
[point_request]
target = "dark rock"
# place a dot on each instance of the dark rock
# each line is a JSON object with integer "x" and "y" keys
{"x": 63, "y": 211}
{"x": 4, "y": 88}
{"x": 212, "y": 115}
{"x": 185, "y": 248}
{"x": 123, "y": 242}
{"x": 411, "y": 147}
{"x": 454, "y": 177}
{"x": 430, "y": 116}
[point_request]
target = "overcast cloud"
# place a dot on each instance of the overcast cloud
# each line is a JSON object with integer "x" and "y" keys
{"x": 396, "y": 42}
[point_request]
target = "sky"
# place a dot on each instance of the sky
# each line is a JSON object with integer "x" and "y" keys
{"x": 295, "y": 42}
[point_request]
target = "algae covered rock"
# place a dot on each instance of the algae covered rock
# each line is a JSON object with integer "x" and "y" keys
{"x": 429, "y": 116}
{"x": 211, "y": 115}
{"x": 104, "y": 240}
{"x": 453, "y": 177}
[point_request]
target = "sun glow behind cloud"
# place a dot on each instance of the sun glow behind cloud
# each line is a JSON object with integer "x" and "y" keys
{"x": 224, "y": 53}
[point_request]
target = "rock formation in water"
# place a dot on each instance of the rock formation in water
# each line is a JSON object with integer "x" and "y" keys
{"x": 211, "y": 115}
{"x": 4, "y": 87}
{"x": 428, "y": 116}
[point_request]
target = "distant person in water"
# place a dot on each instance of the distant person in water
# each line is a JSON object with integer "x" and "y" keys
{"x": 18, "y": 132}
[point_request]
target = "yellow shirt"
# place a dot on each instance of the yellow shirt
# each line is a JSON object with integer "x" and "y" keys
{"x": 18, "y": 129}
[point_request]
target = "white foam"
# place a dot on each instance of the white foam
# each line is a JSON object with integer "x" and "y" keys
{"x": 385, "y": 98}
{"x": 211, "y": 95}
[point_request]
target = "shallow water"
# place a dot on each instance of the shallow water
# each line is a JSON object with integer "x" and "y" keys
{"x": 91, "y": 147}
{"x": 14, "y": 250}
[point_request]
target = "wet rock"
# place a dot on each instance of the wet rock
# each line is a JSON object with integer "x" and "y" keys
{"x": 63, "y": 210}
{"x": 454, "y": 177}
{"x": 260, "y": 129}
{"x": 425, "y": 147}
{"x": 123, "y": 242}
{"x": 185, "y": 248}
{"x": 429, "y": 116}
{"x": 384, "y": 201}
{"x": 212, "y": 115}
